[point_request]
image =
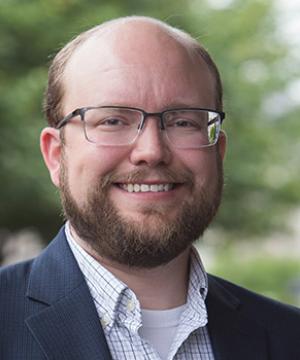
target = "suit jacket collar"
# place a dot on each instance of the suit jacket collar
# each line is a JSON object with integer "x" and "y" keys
{"x": 64, "y": 305}
{"x": 56, "y": 281}
{"x": 234, "y": 336}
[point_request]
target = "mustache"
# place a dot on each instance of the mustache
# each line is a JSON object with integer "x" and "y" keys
{"x": 138, "y": 175}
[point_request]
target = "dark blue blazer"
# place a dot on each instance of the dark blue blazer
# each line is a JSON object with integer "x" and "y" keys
{"x": 46, "y": 312}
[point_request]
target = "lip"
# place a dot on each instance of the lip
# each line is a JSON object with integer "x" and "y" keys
{"x": 149, "y": 182}
{"x": 143, "y": 187}
{"x": 149, "y": 195}
{"x": 136, "y": 202}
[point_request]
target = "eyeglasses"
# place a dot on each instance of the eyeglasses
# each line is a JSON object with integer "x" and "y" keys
{"x": 186, "y": 128}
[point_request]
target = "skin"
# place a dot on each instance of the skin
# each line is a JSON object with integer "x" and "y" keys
{"x": 150, "y": 70}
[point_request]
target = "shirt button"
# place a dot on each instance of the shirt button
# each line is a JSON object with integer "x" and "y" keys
{"x": 130, "y": 305}
{"x": 105, "y": 320}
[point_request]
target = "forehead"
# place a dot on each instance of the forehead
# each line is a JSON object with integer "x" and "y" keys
{"x": 134, "y": 64}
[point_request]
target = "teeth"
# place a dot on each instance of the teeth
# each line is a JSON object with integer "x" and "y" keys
{"x": 129, "y": 188}
{"x": 154, "y": 188}
{"x": 166, "y": 187}
{"x": 147, "y": 188}
{"x": 144, "y": 188}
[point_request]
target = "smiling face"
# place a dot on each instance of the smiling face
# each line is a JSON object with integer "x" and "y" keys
{"x": 141, "y": 204}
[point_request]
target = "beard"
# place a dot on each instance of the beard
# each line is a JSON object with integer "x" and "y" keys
{"x": 153, "y": 241}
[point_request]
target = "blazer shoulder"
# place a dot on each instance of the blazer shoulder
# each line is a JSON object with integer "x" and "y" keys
{"x": 14, "y": 276}
{"x": 270, "y": 312}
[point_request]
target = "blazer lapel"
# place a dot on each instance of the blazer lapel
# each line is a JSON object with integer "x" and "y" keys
{"x": 67, "y": 325}
{"x": 233, "y": 336}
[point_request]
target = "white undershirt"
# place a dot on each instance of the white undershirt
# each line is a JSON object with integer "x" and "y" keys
{"x": 159, "y": 328}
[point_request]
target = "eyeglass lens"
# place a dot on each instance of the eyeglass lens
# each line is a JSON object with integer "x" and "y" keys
{"x": 183, "y": 128}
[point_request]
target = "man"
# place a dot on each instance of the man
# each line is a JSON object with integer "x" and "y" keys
{"x": 135, "y": 146}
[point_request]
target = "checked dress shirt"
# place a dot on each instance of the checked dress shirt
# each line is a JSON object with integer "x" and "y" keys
{"x": 120, "y": 313}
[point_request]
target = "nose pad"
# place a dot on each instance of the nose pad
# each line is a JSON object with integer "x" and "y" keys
{"x": 153, "y": 123}
{"x": 151, "y": 134}
{"x": 157, "y": 116}
{"x": 150, "y": 145}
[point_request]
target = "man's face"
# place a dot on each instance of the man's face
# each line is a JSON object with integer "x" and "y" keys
{"x": 143, "y": 229}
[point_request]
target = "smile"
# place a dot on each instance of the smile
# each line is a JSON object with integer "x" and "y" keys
{"x": 146, "y": 187}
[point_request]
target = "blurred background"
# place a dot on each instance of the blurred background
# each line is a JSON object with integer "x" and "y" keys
{"x": 255, "y": 239}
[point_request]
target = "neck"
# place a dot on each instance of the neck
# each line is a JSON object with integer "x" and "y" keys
{"x": 160, "y": 288}
{"x": 163, "y": 287}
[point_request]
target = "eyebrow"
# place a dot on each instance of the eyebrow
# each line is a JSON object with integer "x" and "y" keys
{"x": 179, "y": 105}
{"x": 175, "y": 105}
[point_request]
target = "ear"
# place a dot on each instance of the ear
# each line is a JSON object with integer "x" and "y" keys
{"x": 222, "y": 142}
{"x": 51, "y": 148}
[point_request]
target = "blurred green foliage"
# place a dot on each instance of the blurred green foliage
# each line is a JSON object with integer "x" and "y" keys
{"x": 261, "y": 168}
{"x": 271, "y": 276}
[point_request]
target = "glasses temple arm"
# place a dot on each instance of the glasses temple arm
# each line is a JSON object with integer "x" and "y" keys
{"x": 67, "y": 118}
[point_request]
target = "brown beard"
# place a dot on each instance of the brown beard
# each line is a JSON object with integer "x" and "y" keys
{"x": 147, "y": 244}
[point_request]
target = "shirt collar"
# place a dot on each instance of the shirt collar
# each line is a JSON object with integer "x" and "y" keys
{"x": 111, "y": 296}
{"x": 105, "y": 288}
{"x": 198, "y": 282}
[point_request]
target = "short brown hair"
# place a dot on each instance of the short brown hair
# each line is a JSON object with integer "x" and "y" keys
{"x": 55, "y": 90}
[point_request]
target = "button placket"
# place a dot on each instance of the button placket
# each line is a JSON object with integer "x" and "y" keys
{"x": 105, "y": 320}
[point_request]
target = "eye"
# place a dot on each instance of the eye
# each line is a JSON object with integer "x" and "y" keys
{"x": 184, "y": 123}
{"x": 112, "y": 122}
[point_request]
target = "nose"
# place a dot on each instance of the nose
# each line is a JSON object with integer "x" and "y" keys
{"x": 150, "y": 147}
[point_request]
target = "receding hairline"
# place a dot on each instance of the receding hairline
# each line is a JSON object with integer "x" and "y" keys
{"x": 109, "y": 26}
{"x": 53, "y": 105}
{"x": 180, "y": 36}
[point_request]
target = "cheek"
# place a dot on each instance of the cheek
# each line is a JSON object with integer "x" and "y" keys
{"x": 203, "y": 166}
{"x": 88, "y": 166}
